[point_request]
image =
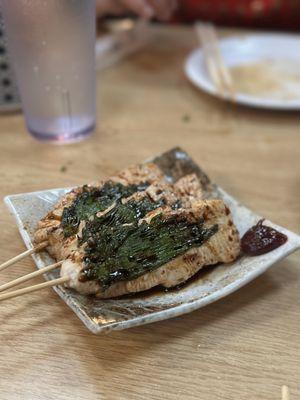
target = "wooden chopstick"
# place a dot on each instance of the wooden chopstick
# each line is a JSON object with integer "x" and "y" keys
{"x": 29, "y": 276}
{"x": 214, "y": 61}
{"x": 34, "y": 288}
{"x": 26, "y": 253}
{"x": 224, "y": 70}
{"x": 210, "y": 63}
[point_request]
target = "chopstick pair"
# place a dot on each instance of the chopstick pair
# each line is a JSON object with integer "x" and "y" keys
{"x": 29, "y": 276}
{"x": 216, "y": 67}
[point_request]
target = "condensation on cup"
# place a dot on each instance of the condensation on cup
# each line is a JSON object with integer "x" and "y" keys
{"x": 52, "y": 46}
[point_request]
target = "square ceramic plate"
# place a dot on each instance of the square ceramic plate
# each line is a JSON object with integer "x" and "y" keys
{"x": 206, "y": 287}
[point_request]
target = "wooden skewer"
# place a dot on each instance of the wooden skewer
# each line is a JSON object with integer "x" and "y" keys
{"x": 29, "y": 276}
{"x": 285, "y": 393}
{"x": 34, "y": 288}
{"x": 23, "y": 255}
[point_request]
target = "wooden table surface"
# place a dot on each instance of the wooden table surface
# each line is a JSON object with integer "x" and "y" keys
{"x": 245, "y": 346}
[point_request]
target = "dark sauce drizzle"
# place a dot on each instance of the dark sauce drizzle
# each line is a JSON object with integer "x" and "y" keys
{"x": 261, "y": 239}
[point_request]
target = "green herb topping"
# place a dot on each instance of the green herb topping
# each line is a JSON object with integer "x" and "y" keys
{"x": 93, "y": 200}
{"x": 118, "y": 248}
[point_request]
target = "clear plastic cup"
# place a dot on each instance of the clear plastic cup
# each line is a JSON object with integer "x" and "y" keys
{"x": 52, "y": 45}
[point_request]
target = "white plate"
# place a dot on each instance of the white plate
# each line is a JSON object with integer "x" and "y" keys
{"x": 280, "y": 53}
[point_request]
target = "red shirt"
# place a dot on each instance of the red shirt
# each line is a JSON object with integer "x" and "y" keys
{"x": 277, "y": 14}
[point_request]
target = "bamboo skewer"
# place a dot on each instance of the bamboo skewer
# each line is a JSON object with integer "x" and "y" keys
{"x": 26, "y": 253}
{"x": 34, "y": 288}
{"x": 27, "y": 277}
{"x": 285, "y": 393}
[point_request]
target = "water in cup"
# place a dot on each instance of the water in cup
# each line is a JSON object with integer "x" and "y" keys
{"x": 52, "y": 44}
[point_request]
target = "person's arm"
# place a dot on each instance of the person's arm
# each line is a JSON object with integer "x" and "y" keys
{"x": 159, "y": 9}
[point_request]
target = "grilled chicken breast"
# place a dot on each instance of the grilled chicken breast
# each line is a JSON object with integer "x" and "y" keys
{"x": 184, "y": 199}
{"x": 49, "y": 228}
{"x": 223, "y": 246}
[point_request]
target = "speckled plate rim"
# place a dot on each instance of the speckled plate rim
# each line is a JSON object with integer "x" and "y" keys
{"x": 292, "y": 245}
{"x": 185, "y": 308}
